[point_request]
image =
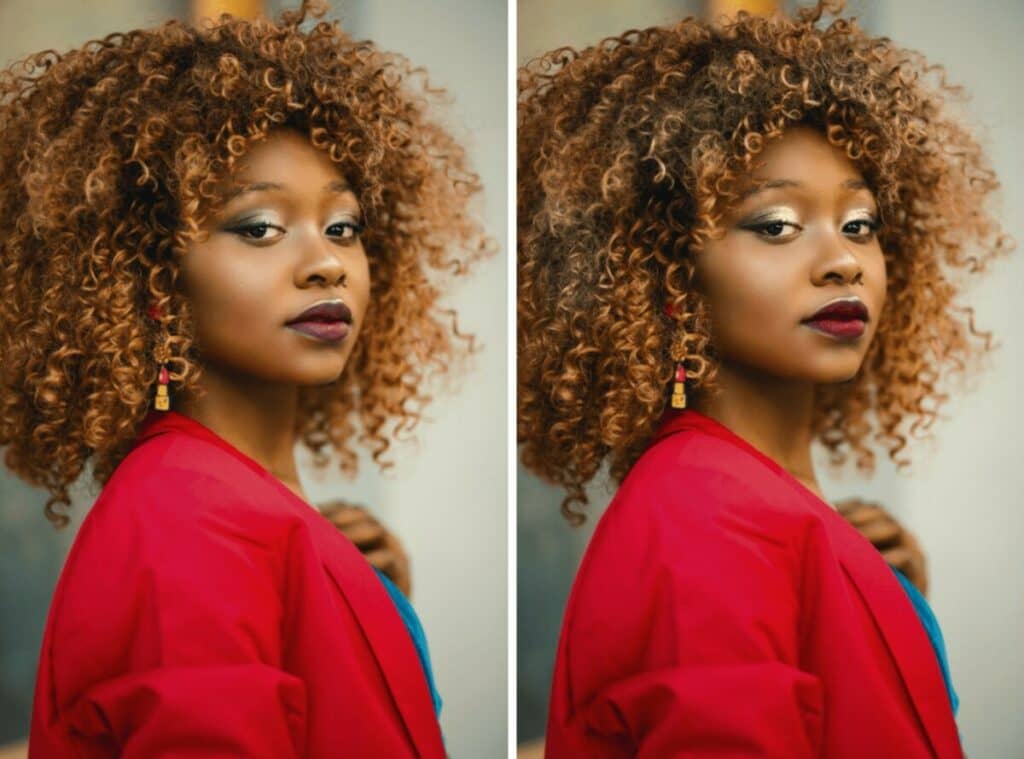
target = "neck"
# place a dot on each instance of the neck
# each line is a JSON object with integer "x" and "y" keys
{"x": 774, "y": 415}
{"x": 255, "y": 416}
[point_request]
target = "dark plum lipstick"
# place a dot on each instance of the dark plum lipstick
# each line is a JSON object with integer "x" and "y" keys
{"x": 846, "y": 318}
{"x": 329, "y": 321}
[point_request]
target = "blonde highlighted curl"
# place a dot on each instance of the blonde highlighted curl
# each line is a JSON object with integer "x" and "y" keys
{"x": 111, "y": 158}
{"x": 629, "y": 156}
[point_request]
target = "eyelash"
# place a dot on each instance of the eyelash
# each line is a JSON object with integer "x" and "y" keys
{"x": 760, "y": 228}
{"x": 357, "y": 230}
{"x": 243, "y": 230}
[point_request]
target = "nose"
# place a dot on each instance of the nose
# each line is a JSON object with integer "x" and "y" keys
{"x": 322, "y": 264}
{"x": 837, "y": 263}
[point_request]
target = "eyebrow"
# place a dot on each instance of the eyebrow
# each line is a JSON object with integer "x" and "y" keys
{"x": 339, "y": 186}
{"x": 849, "y": 184}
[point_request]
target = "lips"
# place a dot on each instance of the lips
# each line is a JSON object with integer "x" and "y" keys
{"x": 330, "y": 321}
{"x": 842, "y": 310}
{"x": 327, "y": 311}
{"x": 845, "y": 318}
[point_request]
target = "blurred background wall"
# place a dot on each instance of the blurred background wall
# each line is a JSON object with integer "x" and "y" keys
{"x": 962, "y": 496}
{"x": 446, "y": 497}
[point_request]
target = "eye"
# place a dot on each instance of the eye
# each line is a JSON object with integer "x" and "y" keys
{"x": 862, "y": 229}
{"x": 774, "y": 229}
{"x": 345, "y": 231}
{"x": 260, "y": 231}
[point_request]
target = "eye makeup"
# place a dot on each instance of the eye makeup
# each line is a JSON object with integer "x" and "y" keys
{"x": 773, "y": 214}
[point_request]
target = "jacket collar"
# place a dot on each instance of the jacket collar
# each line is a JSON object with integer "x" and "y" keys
{"x": 901, "y": 629}
{"x": 355, "y": 579}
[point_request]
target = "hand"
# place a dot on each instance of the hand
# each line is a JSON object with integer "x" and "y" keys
{"x": 382, "y": 549}
{"x": 897, "y": 545}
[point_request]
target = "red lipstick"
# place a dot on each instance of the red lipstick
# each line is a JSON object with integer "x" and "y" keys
{"x": 330, "y": 321}
{"x": 843, "y": 318}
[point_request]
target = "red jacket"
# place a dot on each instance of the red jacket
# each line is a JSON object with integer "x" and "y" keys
{"x": 205, "y": 610}
{"x": 723, "y": 610}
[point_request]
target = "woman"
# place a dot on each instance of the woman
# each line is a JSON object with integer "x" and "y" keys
{"x": 220, "y": 242}
{"x": 735, "y": 240}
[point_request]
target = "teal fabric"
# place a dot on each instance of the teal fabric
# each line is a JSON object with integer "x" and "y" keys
{"x": 931, "y": 626}
{"x": 419, "y": 638}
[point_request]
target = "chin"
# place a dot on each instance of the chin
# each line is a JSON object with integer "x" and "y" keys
{"x": 835, "y": 372}
{"x": 324, "y": 374}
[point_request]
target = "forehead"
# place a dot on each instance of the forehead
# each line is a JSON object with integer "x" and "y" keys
{"x": 804, "y": 155}
{"x": 286, "y": 157}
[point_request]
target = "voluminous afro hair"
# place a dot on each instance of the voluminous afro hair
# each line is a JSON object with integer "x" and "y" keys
{"x": 111, "y": 158}
{"x": 629, "y": 155}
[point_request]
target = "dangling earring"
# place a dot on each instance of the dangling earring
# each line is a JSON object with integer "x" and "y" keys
{"x": 679, "y": 388}
{"x": 163, "y": 400}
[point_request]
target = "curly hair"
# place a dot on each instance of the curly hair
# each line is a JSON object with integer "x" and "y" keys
{"x": 630, "y": 153}
{"x": 111, "y": 159}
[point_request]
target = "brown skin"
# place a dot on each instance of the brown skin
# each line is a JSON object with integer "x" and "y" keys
{"x": 270, "y": 254}
{"x": 380, "y": 547}
{"x": 897, "y": 546}
{"x": 760, "y": 285}
{"x": 785, "y": 252}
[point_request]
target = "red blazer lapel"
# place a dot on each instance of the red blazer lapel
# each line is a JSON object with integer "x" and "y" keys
{"x": 355, "y": 579}
{"x": 386, "y": 633}
{"x": 893, "y": 613}
{"x": 903, "y": 633}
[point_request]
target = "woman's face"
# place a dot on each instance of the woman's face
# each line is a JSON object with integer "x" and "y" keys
{"x": 802, "y": 242}
{"x": 287, "y": 239}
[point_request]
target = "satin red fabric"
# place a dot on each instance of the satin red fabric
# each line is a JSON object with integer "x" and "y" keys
{"x": 722, "y": 609}
{"x": 206, "y": 610}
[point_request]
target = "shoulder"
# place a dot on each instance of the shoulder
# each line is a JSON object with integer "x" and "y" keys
{"x": 697, "y": 486}
{"x": 178, "y": 477}
{"x": 176, "y": 501}
{"x": 698, "y": 553}
{"x": 179, "y": 519}
{"x": 694, "y": 519}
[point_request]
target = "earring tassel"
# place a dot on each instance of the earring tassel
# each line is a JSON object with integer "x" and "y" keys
{"x": 679, "y": 388}
{"x": 163, "y": 401}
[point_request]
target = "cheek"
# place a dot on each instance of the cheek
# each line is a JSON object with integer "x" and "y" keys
{"x": 237, "y": 295}
{"x": 232, "y": 303}
{"x": 879, "y": 278}
{"x": 358, "y": 286}
{"x": 360, "y": 280}
{"x": 750, "y": 298}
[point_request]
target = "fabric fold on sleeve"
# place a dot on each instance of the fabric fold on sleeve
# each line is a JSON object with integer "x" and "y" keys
{"x": 757, "y": 709}
{"x": 169, "y": 637}
{"x": 684, "y": 631}
{"x": 250, "y": 709}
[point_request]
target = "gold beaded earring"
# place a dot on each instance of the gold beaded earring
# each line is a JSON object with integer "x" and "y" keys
{"x": 163, "y": 400}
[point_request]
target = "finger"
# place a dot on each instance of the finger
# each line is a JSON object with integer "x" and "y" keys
{"x": 401, "y": 575}
{"x": 848, "y": 505}
{"x": 382, "y": 559}
{"x": 882, "y": 533}
{"x": 863, "y": 515}
{"x": 852, "y": 504}
{"x": 348, "y": 515}
{"x": 365, "y": 534}
{"x": 900, "y": 558}
{"x": 907, "y": 563}
{"x": 334, "y": 505}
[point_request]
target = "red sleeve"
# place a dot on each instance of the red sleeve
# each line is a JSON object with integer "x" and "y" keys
{"x": 684, "y": 637}
{"x": 168, "y": 635}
